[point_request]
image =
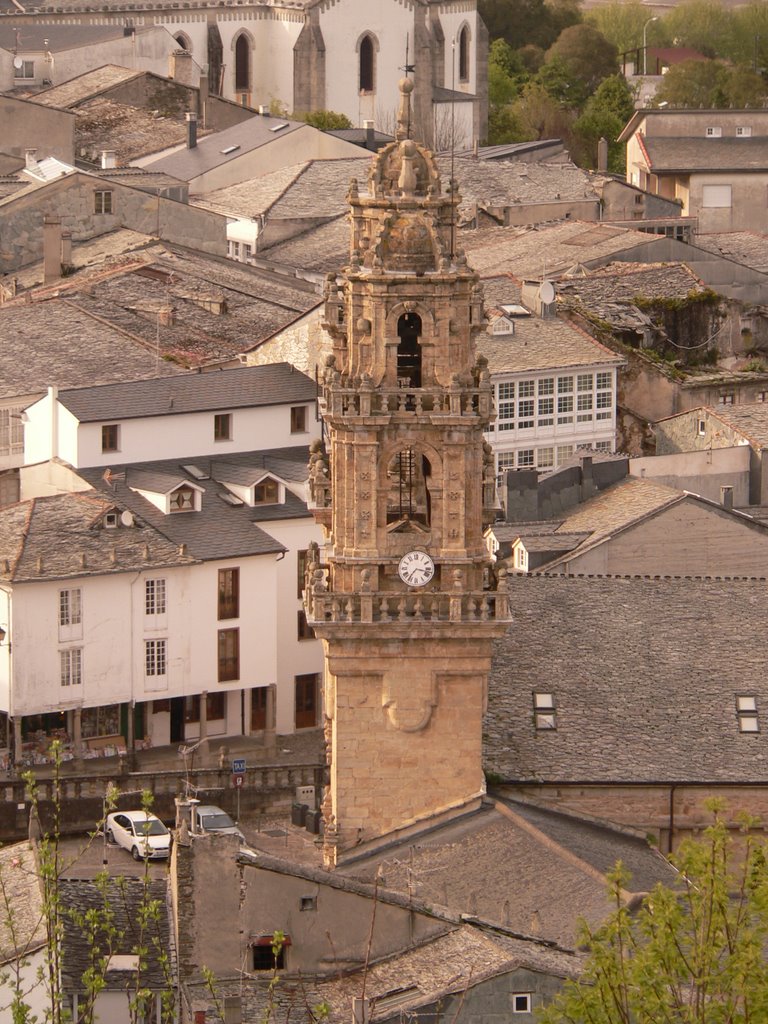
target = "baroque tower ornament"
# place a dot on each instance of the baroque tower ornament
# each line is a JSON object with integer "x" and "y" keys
{"x": 403, "y": 597}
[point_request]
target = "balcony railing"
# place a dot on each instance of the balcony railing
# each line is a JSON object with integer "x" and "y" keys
{"x": 362, "y": 401}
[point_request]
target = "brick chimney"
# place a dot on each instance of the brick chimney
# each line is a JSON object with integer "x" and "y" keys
{"x": 181, "y": 67}
{"x": 30, "y": 159}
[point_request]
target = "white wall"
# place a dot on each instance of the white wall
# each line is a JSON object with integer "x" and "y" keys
{"x": 33, "y": 989}
{"x": 273, "y": 35}
{"x": 294, "y": 657}
{"x": 187, "y": 435}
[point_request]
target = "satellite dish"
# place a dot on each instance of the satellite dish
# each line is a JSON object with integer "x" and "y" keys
{"x": 547, "y": 292}
{"x": 126, "y": 518}
{"x": 18, "y": 63}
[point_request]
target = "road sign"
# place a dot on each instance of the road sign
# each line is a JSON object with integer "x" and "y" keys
{"x": 238, "y": 766}
{"x": 237, "y": 781}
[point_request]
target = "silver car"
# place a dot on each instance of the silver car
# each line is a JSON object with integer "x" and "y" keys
{"x": 139, "y": 832}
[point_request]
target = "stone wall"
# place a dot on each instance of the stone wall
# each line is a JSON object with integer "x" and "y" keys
{"x": 28, "y": 125}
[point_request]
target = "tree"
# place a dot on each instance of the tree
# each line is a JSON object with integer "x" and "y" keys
{"x": 704, "y": 25}
{"x": 326, "y": 120}
{"x": 521, "y": 22}
{"x": 694, "y": 83}
{"x": 540, "y": 116}
{"x": 587, "y": 55}
{"x": 621, "y": 24}
{"x": 691, "y": 954}
{"x": 605, "y": 114}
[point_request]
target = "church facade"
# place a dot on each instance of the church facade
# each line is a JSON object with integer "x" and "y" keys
{"x": 403, "y": 596}
{"x": 302, "y": 55}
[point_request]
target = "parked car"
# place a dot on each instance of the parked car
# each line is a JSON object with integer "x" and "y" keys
{"x": 139, "y": 832}
{"x": 209, "y": 819}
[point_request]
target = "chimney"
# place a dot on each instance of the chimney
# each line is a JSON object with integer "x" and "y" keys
{"x": 66, "y": 249}
{"x": 181, "y": 67}
{"x": 51, "y": 249}
{"x": 191, "y": 129}
{"x": 587, "y": 480}
{"x": 726, "y": 497}
{"x": 233, "y": 1010}
{"x": 166, "y": 315}
{"x": 602, "y": 155}
{"x": 369, "y": 136}
{"x": 202, "y": 96}
{"x": 108, "y": 159}
{"x": 30, "y": 159}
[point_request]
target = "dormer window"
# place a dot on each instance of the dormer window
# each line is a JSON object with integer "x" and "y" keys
{"x": 267, "y": 492}
{"x": 714, "y": 132}
{"x": 182, "y": 500}
{"x": 743, "y": 131}
{"x": 746, "y": 712}
{"x": 111, "y": 520}
{"x": 502, "y": 325}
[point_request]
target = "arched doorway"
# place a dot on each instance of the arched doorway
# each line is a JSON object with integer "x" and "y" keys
{"x": 409, "y": 350}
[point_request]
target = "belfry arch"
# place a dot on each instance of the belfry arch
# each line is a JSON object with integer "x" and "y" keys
{"x": 409, "y": 329}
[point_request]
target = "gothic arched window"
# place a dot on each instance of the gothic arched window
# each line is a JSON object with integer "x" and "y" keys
{"x": 409, "y": 350}
{"x": 367, "y": 64}
{"x": 464, "y": 54}
{"x": 242, "y": 64}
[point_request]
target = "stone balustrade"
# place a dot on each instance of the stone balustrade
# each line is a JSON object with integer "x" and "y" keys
{"x": 364, "y": 402}
{"x": 480, "y": 606}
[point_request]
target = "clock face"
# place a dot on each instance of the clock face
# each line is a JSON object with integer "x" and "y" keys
{"x": 416, "y": 568}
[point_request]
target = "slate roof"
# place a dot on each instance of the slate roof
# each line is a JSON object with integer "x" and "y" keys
{"x": 129, "y": 131}
{"x": 549, "y": 249}
{"x": 56, "y": 342}
{"x": 126, "y": 898}
{"x": 617, "y": 507}
{"x": 751, "y": 419}
{"x": 414, "y": 978}
{"x": 63, "y": 536}
{"x": 73, "y": 92}
{"x": 22, "y": 901}
{"x": 251, "y": 197}
{"x": 32, "y": 35}
{"x": 667, "y": 155}
{"x": 209, "y": 152}
{"x": 272, "y": 384}
{"x": 644, "y": 674}
{"x": 318, "y": 251}
{"x": 747, "y": 247}
{"x": 502, "y": 866}
{"x": 128, "y": 295}
{"x": 219, "y": 530}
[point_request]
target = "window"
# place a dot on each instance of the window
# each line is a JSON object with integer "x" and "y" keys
{"x": 242, "y": 63}
{"x": 464, "y": 55}
{"x": 155, "y": 654}
{"x": 525, "y": 458}
{"x": 367, "y": 69}
{"x": 301, "y": 571}
{"x": 215, "y": 707}
{"x": 305, "y": 631}
{"x": 545, "y": 458}
{"x": 564, "y": 452}
{"x": 154, "y": 597}
{"x": 25, "y": 70}
{"x": 307, "y": 903}
{"x": 183, "y": 500}
{"x": 603, "y": 446}
{"x": 11, "y": 431}
{"x": 521, "y": 559}
{"x": 264, "y": 956}
{"x": 229, "y": 593}
{"x": 266, "y": 493}
{"x": 306, "y": 694}
{"x": 506, "y": 460}
{"x": 259, "y": 704}
{"x": 70, "y": 608}
{"x": 229, "y": 655}
{"x": 743, "y": 131}
{"x": 222, "y": 426}
{"x": 521, "y": 1002}
{"x": 726, "y": 398}
{"x": 702, "y": 429}
{"x": 71, "y": 666}
{"x": 714, "y": 133}
{"x": 110, "y": 437}
{"x": 102, "y": 201}
{"x": 746, "y": 712}
{"x": 716, "y": 196}
{"x": 544, "y": 711}
{"x": 298, "y": 419}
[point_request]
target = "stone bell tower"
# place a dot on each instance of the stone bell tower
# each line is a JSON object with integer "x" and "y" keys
{"x": 406, "y": 602}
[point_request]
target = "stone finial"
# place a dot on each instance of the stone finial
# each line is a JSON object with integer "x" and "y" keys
{"x": 405, "y": 86}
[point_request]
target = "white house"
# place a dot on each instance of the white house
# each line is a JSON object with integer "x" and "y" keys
{"x": 150, "y": 588}
{"x": 554, "y": 385}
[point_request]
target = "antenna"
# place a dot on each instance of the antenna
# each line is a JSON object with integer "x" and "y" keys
{"x": 408, "y": 69}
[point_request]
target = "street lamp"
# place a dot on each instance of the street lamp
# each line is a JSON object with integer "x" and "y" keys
{"x": 645, "y": 44}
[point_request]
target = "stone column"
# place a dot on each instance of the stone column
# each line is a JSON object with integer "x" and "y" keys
{"x": 77, "y": 731}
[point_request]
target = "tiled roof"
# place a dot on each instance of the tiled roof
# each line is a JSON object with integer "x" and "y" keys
{"x": 129, "y": 131}
{"x": 63, "y": 536}
{"x": 517, "y": 182}
{"x": 210, "y": 152}
{"x": 251, "y": 197}
{"x": 319, "y": 251}
{"x": 617, "y": 507}
{"x": 751, "y": 419}
{"x": 747, "y": 247}
{"x": 219, "y": 530}
{"x": 273, "y": 384}
{"x": 549, "y": 250}
{"x": 22, "y": 923}
{"x": 543, "y": 344}
{"x": 70, "y": 93}
{"x": 709, "y": 155}
{"x": 56, "y": 342}
{"x": 492, "y": 866}
{"x": 139, "y": 917}
{"x": 643, "y": 673}
{"x": 53, "y": 36}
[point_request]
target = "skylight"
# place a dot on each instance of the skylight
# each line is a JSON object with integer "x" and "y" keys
{"x": 231, "y": 499}
{"x": 229, "y": 149}
{"x": 279, "y": 127}
{"x": 195, "y": 472}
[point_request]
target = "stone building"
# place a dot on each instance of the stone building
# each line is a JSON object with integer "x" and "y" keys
{"x": 404, "y": 497}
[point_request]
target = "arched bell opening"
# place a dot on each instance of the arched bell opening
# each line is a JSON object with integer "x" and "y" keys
{"x": 409, "y": 500}
{"x": 409, "y": 350}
